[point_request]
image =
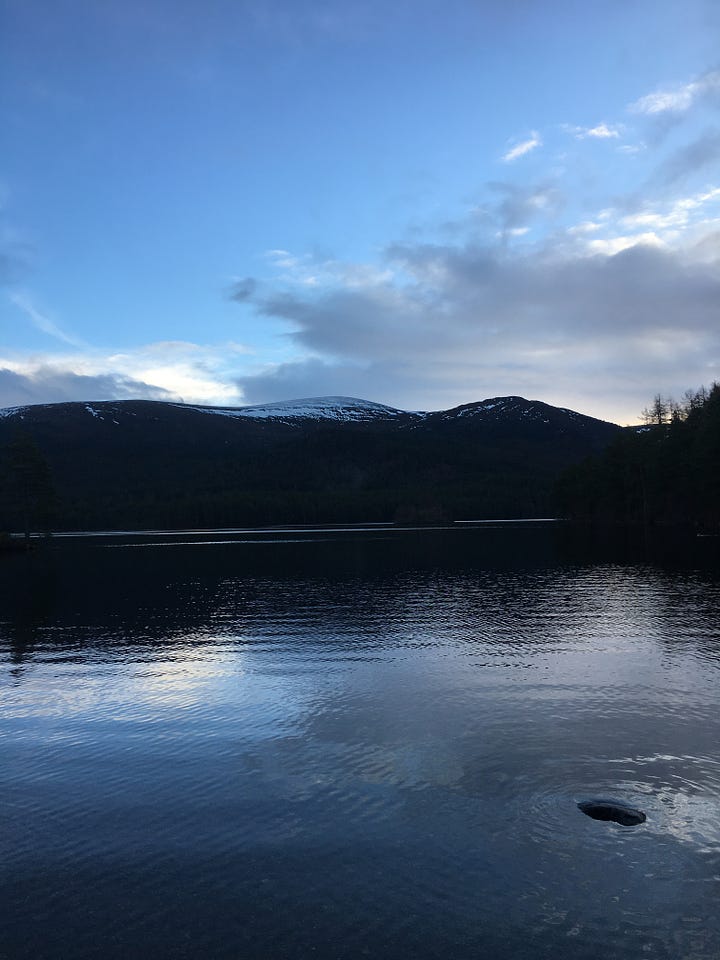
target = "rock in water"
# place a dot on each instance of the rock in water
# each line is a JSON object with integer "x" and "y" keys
{"x": 617, "y": 812}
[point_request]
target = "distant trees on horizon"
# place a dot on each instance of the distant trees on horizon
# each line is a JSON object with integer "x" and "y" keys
{"x": 664, "y": 410}
{"x": 666, "y": 471}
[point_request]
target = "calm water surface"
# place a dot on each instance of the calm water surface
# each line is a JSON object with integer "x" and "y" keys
{"x": 342, "y": 744}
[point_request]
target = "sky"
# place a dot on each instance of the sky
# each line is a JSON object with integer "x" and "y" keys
{"x": 421, "y": 203}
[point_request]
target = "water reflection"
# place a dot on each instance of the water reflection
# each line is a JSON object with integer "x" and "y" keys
{"x": 371, "y": 744}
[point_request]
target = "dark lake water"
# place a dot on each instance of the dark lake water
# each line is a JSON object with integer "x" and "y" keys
{"x": 346, "y": 744}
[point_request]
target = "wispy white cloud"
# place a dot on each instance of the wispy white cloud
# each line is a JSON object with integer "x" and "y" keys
{"x": 309, "y": 271}
{"x": 282, "y": 258}
{"x": 677, "y": 224}
{"x": 678, "y": 213}
{"x": 602, "y": 131}
{"x": 678, "y": 99}
{"x": 42, "y": 322}
{"x": 587, "y": 226}
{"x": 525, "y": 146}
{"x": 610, "y": 246}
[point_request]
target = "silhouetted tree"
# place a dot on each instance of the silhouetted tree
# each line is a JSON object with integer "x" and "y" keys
{"x": 658, "y": 412}
{"x": 668, "y": 470}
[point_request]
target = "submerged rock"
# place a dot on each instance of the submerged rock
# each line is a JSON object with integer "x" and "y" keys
{"x": 617, "y": 812}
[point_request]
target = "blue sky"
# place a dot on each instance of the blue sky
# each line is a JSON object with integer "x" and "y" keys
{"x": 238, "y": 202}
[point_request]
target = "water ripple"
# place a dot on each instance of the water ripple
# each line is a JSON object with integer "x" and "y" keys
{"x": 366, "y": 746}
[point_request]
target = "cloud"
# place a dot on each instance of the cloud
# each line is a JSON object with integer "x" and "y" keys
{"x": 518, "y": 206}
{"x": 43, "y": 322}
{"x": 689, "y": 159}
{"x": 315, "y": 377}
{"x": 599, "y": 319}
{"x": 587, "y": 226}
{"x": 681, "y": 98}
{"x": 525, "y": 146}
{"x": 50, "y": 384}
{"x": 602, "y": 131}
{"x": 168, "y": 370}
{"x": 609, "y": 246}
{"x": 242, "y": 290}
{"x": 679, "y": 213}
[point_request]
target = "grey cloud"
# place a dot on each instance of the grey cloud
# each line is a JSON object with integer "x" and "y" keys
{"x": 243, "y": 290}
{"x": 594, "y": 332}
{"x": 708, "y": 248}
{"x": 391, "y": 382}
{"x": 292, "y": 380}
{"x": 363, "y": 324}
{"x": 657, "y": 129}
{"x": 697, "y": 155}
{"x": 518, "y": 206}
{"x": 52, "y": 385}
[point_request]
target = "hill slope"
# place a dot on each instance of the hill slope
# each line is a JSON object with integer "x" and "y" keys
{"x": 139, "y": 463}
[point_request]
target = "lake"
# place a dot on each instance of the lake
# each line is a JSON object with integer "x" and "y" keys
{"x": 351, "y": 743}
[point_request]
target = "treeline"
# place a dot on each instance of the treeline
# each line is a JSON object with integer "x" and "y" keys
{"x": 145, "y": 476}
{"x": 666, "y": 471}
{"x": 312, "y": 484}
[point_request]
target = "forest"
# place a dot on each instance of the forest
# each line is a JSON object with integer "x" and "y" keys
{"x": 140, "y": 465}
{"x": 666, "y": 471}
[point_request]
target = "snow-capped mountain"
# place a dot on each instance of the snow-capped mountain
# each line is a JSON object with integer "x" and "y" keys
{"x": 506, "y": 408}
{"x": 333, "y": 409}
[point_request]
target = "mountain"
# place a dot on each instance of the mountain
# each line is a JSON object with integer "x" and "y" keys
{"x": 141, "y": 463}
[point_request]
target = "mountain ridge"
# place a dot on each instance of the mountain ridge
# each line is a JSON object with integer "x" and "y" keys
{"x": 151, "y": 463}
{"x": 323, "y": 407}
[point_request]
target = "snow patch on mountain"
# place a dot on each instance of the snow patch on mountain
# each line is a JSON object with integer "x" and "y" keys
{"x": 507, "y": 408}
{"x": 340, "y": 409}
{"x": 11, "y": 411}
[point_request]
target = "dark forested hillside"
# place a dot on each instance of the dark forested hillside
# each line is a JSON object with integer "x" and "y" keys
{"x": 666, "y": 471}
{"x": 147, "y": 464}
